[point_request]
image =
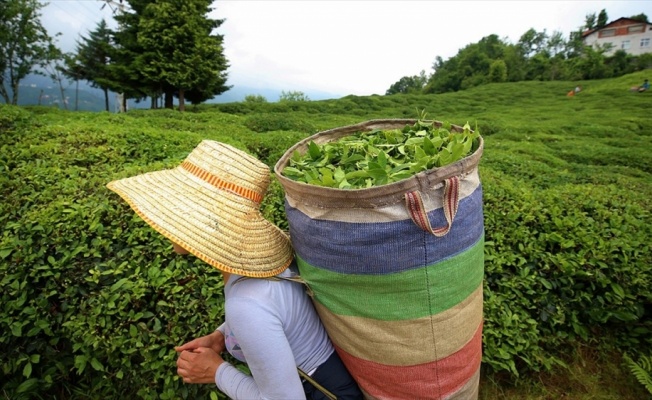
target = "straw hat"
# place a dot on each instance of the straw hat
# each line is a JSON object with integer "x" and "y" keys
{"x": 209, "y": 205}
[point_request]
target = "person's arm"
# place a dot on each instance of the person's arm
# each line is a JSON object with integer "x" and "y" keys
{"x": 261, "y": 337}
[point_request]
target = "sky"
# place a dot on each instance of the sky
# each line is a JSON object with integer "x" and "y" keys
{"x": 343, "y": 47}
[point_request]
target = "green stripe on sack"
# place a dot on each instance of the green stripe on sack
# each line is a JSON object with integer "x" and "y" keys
{"x": 404, "y": 295}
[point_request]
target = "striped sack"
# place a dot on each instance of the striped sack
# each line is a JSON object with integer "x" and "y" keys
{"x": 396, "y": 273}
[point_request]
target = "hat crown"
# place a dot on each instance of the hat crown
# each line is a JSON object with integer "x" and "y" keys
{"x": 209, "y": 205}
{"x": 232, "y": 168}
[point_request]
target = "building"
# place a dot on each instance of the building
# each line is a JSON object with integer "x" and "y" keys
{"x": 626, "y": 34}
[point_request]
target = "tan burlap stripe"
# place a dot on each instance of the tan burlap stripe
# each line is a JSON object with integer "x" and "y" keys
{"x": 407, "y": 342}
{"x": 393, "y": 212}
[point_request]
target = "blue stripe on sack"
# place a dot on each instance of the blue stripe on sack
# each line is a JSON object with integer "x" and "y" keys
{"x": 387, "y": 247}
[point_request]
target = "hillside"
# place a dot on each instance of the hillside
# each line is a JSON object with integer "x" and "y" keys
{"x": 95, "y": 300}
{"x": 37, "y": 89}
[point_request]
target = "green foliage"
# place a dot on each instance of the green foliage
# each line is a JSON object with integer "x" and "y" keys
{"x": 12, "y": 118}
{"x": 537, "y": 56}
{"x": 409, "y": 84}
{"x": 278, "y": 122}
{"x": 91, "y": 60}
{"x": 181, "y": 50}
{"x": 640, "y": 17}
{"x": 255, "y": 98}
{"x": 293, "y": 95}
{"x": 498, "y": 71}
{"x": 94, "y": 300}
{"x": 642, "y": 370}
{"x": 24, "y": 45}
{"x": 379, "y": 157}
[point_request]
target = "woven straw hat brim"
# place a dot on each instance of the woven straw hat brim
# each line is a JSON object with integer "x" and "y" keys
{"x": 222, "y": 228}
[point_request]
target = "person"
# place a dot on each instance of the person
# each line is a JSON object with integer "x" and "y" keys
{"x": 573, "y": 92}
{"x": 645, "y": 86}
{"x": 208, "y": 206}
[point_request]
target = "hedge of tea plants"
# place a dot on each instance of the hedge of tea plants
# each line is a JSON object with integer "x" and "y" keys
{"x": 93, "y": 300}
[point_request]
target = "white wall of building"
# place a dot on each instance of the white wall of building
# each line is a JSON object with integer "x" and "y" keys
{"x": 634, "y": 43}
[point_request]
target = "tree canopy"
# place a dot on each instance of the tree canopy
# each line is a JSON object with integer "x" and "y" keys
{"x": 535, "y": 56}
{"x": 181, "y": 51}
{"x": 160, "y": 48}
{"x": 24, "y": 45}
{"x": 92, "y": 59}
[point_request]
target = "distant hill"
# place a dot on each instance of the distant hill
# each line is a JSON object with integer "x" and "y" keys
{"x": 40, "y": 90}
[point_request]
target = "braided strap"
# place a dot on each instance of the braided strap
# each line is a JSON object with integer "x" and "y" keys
{"x": 417, "y": 211}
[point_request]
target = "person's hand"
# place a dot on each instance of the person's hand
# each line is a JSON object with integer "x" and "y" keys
{"x": 214, "y": 341}
{"x": 198, "y": 365}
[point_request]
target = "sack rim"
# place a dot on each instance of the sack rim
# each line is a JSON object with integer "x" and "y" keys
{"x": 377, "y": 196}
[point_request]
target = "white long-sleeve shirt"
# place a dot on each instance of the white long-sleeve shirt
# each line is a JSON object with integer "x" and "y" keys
{"x": 274, "y": 328}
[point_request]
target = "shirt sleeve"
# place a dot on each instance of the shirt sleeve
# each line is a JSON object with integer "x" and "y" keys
{"x": 260, "y": 333}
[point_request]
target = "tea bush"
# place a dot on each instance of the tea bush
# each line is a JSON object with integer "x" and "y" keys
{"x": 94, "y": 300}
{"x": 562, "y": 272}
{"x": 278, "y": 122}
{"x": 92, "y": 294}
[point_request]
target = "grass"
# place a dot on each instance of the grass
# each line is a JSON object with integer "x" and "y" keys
{"x": 590, "y": 374}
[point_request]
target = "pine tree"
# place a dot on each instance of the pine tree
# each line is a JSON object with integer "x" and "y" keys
{"x": 127, "y": 76}
{"x": 602, "y": 18}
{"x": 181, "y": 50}
{"x": 92, "y": 60}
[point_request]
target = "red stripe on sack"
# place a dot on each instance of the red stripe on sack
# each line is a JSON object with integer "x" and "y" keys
{"x": 220, "y": 184}
{"x": 455, "y": 189}
{"x": 415, "y": 205}
{"x": 434, "y": 380}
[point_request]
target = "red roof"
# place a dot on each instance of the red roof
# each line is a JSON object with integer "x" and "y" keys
{"x": 618, "y": 22}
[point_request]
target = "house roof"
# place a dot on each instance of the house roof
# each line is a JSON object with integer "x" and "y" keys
{"x": 618, "y": 22}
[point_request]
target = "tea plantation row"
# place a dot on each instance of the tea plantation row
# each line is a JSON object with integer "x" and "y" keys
{"x": 93, "y": 300}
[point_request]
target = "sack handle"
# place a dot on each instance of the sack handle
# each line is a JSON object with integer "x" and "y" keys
{"x": 414, "y": 205}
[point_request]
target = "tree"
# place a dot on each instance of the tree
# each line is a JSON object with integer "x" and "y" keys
{"x": 409, "y": 84}
{"x": 92, "y": 60}
{"x": 532, "y": 42}
{"x": 182, "y": 51}
{"x": 620, "y": 63}
{"x": 293, "y": 95}
{"x": 127, "y": 77}
{"x": 55, "y": 70}
{"x": 592, "y": 64}
{"x": 555, "y": 43}
{"x": 640, "y": 17}
{"x": 24, "y": 45}
{"x": 255, "y": 98}
{"x": 590, "y": 21}
{"x": 602, "y": 18}
{"x": 498, "y": 71}
{"x": 575, "y": 44}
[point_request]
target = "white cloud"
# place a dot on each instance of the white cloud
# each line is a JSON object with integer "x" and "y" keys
{"x": 359, "y": 47}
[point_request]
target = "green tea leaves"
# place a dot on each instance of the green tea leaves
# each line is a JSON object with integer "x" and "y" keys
{"x": 379, "y": 157}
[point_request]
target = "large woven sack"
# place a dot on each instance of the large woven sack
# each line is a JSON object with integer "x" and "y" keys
{"x": 396, "y": 273}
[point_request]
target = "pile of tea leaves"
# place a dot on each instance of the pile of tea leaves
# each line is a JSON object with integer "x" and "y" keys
{"x": 379, "y": 157}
